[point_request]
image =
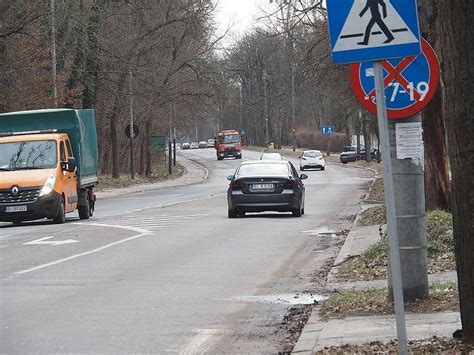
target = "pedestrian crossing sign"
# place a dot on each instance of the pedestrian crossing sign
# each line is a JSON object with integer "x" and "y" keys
{"x": 369, "y": 30}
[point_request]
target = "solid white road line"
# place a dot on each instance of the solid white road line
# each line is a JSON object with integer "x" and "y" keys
{"x": 143, "y": 233}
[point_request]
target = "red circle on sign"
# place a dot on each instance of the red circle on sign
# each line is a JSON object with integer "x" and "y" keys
{"x": 408, "y": 111}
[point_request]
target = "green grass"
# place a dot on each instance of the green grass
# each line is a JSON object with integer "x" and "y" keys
{"x": 372, "y": 263}
{"x": 441, "y": 297}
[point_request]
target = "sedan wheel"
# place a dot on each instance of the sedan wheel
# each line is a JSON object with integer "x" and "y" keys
{"x": 297, "y": 212}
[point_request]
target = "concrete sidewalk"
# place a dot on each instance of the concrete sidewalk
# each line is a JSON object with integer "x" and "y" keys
{"x": 318, "y": 334}
{"x": 194, "y": 173}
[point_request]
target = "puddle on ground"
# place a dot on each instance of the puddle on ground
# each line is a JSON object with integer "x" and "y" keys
{"x": 323, "y": 232}
{"x": 320, "y": 248}
{"x": 283, "y": 298}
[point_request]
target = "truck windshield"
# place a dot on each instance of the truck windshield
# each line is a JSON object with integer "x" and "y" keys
{"x": 28, "y": 155}
{"x": 229, "y": 139}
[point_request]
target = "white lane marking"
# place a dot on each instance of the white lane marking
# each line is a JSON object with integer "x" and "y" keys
{"x": 143, "y": 233}
{"x": 46, "y": 241}
{"x": 5, "y": 236}
{"x": 130, "y": 228}
{"x": 200, "y": 343}
{"x": 176, "y": 203}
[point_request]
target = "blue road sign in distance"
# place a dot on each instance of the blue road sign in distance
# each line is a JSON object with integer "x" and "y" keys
{"x": 327, "y": 130}
{"x": 369, "y": 30}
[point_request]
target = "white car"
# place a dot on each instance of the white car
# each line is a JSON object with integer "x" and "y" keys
{"x": 271, "y": 156}
{"x": 312, "y": 159}
{"x": 194, "y": 145}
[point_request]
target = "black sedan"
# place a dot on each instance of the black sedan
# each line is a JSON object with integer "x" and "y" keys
{"x": 266, "y": 185}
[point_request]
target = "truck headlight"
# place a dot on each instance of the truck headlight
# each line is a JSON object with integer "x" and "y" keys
{"x": 48, "y": 186}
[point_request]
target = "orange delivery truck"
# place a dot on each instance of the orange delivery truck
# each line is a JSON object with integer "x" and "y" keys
{"x": 48, "y": 164}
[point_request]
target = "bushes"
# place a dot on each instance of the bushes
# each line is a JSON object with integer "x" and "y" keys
{"x": 316, "y": 140}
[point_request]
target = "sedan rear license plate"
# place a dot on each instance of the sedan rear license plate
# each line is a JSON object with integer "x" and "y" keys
{"x": 262, "y": 186}
{"x": 10, "y": 209}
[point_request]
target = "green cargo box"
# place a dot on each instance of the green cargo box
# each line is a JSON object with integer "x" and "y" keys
{"x": 78, "y": 124}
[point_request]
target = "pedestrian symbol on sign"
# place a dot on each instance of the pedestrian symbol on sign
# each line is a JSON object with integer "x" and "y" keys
{"x": 365, "y": 30}
{"x": 373, "y": 5}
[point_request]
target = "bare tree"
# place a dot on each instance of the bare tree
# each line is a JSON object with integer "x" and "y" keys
{"x": 457, "y": 48}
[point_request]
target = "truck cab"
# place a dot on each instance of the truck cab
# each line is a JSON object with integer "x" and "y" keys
{"x": 228, "y": 143}
{"x": 42, "y": 171}
{"x": 38, "y": 177}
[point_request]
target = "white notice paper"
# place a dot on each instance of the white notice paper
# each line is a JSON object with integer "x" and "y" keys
{"x": 409, "y": 138}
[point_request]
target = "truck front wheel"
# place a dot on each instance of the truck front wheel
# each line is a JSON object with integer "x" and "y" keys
{"x": 60, "y": 218}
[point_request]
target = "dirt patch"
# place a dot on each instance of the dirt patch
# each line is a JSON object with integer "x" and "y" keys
{"x": 426, "y": 346}
{"x": 373, "y": 215}
{"x": 441, "y": 298}
{"x": 294, "y": 323}
{"x": 377, "y": 191}
{"x": 107, "y": 182}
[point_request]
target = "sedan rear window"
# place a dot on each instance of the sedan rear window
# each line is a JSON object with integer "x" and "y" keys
{"x": 312, "y": 154}
{"x": 263, "y": 170}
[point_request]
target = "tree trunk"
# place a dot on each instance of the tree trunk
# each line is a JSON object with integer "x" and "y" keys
{"x": 437, "y": 184}
{"x": 114, "y": 117}
{"x": 458, "y": 57}
{"x": 366, "y": 132}
{"x": 148, "y": 166}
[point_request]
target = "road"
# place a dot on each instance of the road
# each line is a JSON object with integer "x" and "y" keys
{"x": 167, "y": 271}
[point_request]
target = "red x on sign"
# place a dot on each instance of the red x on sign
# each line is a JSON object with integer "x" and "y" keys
{"x": 410, "y": 83}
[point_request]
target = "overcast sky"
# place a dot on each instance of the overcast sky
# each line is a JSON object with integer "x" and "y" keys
{"x": 241, "y": 14}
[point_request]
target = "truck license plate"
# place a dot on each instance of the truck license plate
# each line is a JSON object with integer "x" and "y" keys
{"x": 262, "y": 186}
{"x": 9, "y": 209}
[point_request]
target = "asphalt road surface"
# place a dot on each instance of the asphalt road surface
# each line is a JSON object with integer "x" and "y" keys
{"x": 167, "y": 271}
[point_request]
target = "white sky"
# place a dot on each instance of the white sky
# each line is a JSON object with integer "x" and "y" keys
{"x": 240, "y": 14}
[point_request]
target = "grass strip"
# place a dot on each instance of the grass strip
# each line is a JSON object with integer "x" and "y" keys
{"x": 441, "y": 297}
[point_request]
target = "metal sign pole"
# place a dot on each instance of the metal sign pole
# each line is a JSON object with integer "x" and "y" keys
{"x": 390, "y": 207}
{"x": 132, "y": 131}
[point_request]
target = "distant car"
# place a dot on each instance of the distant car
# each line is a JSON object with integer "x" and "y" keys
{"x": 202, "y": 144}
{"x": 185, "y": 146}
{"x": 271, "y": 156}
{"x": 349, "y": 154}
{"x": 266, "y": 185}
{"x": 312, "y": 159}
{"x": 210, "y": 143}
{"x": 194, "y": 145}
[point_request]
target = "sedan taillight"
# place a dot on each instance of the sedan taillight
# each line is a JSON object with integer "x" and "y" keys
{"x": 288, "y": 184}
{"x": 237, "y": 185}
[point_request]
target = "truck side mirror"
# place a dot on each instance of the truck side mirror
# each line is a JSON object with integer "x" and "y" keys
{"x": 70, "y": 166}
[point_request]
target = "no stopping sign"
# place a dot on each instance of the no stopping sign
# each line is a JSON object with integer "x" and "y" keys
{"x": 410, "y": 83}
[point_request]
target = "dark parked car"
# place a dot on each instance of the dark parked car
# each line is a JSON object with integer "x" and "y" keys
{"x": 350, "y": 154}
{"x": 266, "y": 185}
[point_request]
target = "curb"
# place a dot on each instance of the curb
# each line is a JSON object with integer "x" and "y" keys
{"x": 150, "y": 187}
{"x": 312, "y": 329}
